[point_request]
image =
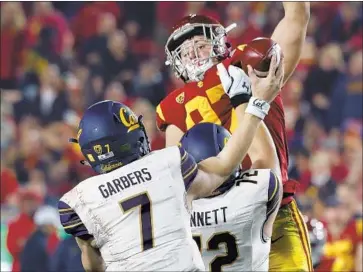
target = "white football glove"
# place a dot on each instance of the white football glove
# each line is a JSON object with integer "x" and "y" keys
{"x": 234, "y": 81}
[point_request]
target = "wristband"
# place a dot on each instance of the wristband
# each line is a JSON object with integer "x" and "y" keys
{"x": 258, "y": 107}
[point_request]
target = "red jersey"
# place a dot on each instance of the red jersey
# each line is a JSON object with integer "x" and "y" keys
{"x": 339, "y": 253}
{"x": 206, "y": 101}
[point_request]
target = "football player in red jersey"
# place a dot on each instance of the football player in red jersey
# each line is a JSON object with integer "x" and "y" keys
{"x": 195, "y": 46}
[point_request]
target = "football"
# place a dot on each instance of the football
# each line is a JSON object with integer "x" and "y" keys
{"x": 258, "y": 54}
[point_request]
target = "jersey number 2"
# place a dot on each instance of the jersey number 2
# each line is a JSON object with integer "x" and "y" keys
{"x": 213, "y": 243}
{"x": 145, "y": 216}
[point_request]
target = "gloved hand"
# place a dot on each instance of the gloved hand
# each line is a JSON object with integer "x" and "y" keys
{"x": 234, "y": 80}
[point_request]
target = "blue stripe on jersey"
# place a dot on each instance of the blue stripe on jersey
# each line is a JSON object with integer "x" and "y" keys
{"x": 71, "y": 222}
{"x": 189, "y": 167}
{"x": 273, "y": 193}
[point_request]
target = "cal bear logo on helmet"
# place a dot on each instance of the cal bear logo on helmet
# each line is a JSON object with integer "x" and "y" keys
{"x": 128, "y": 119}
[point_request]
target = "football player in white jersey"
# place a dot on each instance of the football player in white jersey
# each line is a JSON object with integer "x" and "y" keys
{"x": 233, "y": 227}
{"x": 134, "y": 215}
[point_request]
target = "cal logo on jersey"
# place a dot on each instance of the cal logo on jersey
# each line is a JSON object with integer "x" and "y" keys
{"x": 129, "y": 121}
{"x": 180, "y": 98}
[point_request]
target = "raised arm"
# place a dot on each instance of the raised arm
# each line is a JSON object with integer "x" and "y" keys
{"x": 215, "y": 170}
{"x": 262, "y": 151}
{"x": 290, "y": 33}
{"x": 236, "y": 149}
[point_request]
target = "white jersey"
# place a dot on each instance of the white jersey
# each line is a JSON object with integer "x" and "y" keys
{"x": 228, "y": 228}
{"x": 138, "y": 216}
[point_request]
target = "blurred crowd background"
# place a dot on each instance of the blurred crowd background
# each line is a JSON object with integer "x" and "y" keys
{"x": 57, "y": 58}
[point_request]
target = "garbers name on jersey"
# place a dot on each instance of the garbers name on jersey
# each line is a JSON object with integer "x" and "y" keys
{"x": 117, "y": 185}
{"x": 208, "y": 218}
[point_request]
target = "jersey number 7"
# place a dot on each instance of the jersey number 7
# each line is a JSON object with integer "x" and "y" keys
{"x": 145, "y": 216}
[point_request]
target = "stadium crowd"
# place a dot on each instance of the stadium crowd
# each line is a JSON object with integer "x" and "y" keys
{"x": 57, "y": 58}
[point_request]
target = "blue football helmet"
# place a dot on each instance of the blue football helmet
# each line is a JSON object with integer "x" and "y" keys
{"x": 110, "y": 136}
{"x": 206, "y": 140}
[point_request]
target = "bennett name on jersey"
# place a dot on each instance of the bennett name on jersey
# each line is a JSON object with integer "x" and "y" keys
{"x": 239, "y": 215}
{"x": 208, "y": 218}
{"x": 117, "y": 185}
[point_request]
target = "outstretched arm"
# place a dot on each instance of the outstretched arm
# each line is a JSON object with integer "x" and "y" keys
{"x": 265, "y": 89}
{"x": 262, "y": 151}
{"x": 290, "y": 33}
{"x": 235, "y": 150}
{"x": 214, "y": 170}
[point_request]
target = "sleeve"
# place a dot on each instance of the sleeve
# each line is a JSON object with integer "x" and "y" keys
{"x": 273, "y": 194}
{"x": 240, "y": 99}
{"x": 189, "y": 167}
{"x": 161, "y": 122}
{"x": 71, "y": 222}
{"x": 169, "y": 112}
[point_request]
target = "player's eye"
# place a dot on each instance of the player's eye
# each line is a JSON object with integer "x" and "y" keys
{"x": 187, "y": 54}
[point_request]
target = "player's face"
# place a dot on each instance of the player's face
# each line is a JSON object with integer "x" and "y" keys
{"x": 195, "y": 51}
